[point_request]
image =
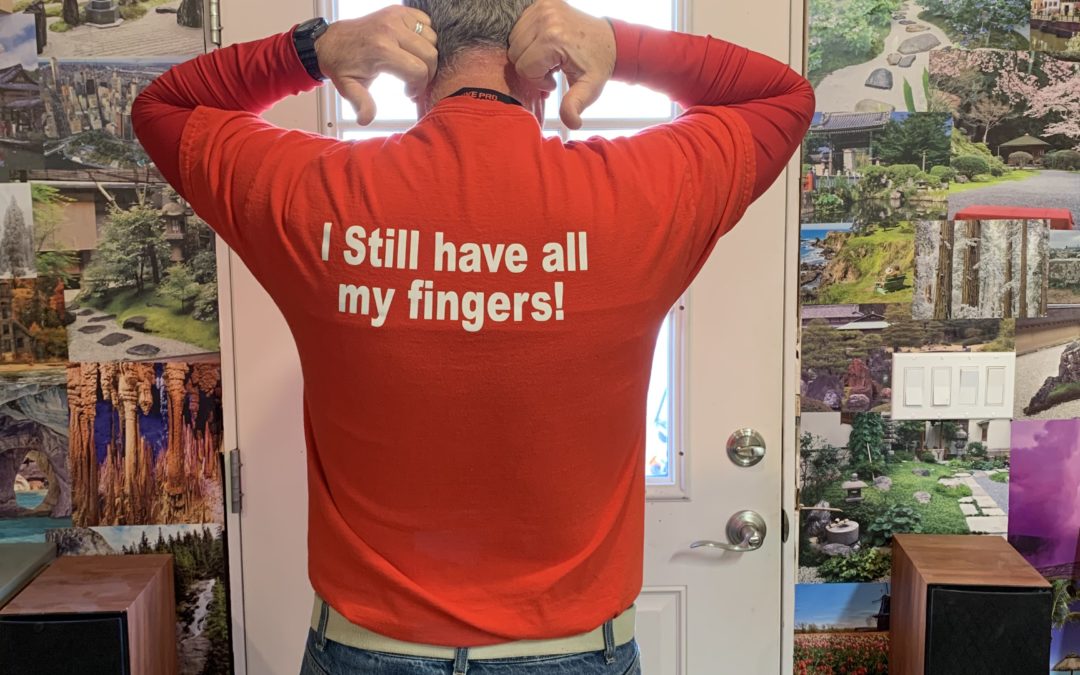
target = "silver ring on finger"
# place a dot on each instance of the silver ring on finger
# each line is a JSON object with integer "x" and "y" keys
{"x": 419, "y": 27}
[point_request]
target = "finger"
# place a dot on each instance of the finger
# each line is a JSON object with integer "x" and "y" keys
{"x": 409, "y": 68}
{"x": 537, "y": 61}
{"x": 423, "y": 50}
{"x": 548, "y": 84}
{"x": 582, "y": 94}
{"x": 427, "y": 33}
{"x": 523, "y": 34}
{"x": 413, "y": 15}
{"x": 359, "y": 97}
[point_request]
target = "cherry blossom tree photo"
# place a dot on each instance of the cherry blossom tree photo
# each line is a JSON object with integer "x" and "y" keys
{"x": 1017, "y": 133}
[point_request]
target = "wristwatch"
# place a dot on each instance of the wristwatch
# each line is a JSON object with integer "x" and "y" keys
{"x": 304, "y": 36}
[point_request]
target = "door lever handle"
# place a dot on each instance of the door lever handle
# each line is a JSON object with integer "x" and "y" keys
{"x": 745, "y": 528}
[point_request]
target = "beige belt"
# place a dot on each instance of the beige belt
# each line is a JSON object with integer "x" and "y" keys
{"x": 341, "y": 630}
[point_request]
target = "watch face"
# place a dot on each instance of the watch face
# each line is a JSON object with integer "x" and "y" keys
{"x": 314, "y": 26}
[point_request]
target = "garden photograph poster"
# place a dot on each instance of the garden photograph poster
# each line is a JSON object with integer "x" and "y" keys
{"x": 847, "y": 363}
{"x": 21, "y": 126}
{"x": 1016, "y": 141}
{"x": 863, "y": 481}
{"x": 874, "y": 55}
{"x": 118, "y": 28}
{"x": 981, "y": 269}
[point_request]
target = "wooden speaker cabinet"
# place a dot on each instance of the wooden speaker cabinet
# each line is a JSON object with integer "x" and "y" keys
{"x": 93, "y": 615}
{"x": 966, "y": 604}
{"x": 19, "y": 564}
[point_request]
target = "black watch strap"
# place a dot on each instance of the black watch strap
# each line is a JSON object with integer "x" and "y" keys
{"x": 304, "y": 36}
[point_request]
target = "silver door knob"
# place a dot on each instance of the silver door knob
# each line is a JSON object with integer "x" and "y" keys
{"x": 746, "y": 447}
{"x": 746, "y": 530}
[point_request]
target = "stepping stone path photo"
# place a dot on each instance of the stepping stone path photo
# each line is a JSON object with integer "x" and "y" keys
{"x": 983, "y": 514}
{"x": 135, "y": 323}
{"x": 880, "y": 79}
{"x": 113, "y": 339}
{"x": 844, "y": 88}
{"x": 96, "y": 337}
{"x": 143, "y": 350}
{"x": 918, "y": 44}
{"x": 870, "y": 105}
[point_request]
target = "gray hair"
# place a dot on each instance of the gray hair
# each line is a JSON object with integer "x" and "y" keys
{"x": 470, "y": 24}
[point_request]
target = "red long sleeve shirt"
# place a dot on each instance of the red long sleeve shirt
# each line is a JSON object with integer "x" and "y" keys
{"x": 475, "y": 307}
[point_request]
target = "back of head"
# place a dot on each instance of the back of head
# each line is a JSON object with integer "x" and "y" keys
{"x": 463, "y": 25}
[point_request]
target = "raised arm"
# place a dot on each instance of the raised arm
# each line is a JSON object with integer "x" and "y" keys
{"x": 250, "y": 77}
{"x": 776, "y": 102}
{"x": 253, "y": 76}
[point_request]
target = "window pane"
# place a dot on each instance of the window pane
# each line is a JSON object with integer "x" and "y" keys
{"x": 388, "y": 91}
{"x": 351, "y": 9}
{"x": 365, "y": 135}
{"x": 583, "y": 134}
{"x": 654, "y": 13}
{"x": 621, "y": 100}
{"x": 391, "y": 103}
{"x": 658, "y": 423}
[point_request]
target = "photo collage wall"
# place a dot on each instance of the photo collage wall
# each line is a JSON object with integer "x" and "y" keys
{"x": 110, "y": 377}
{"x": 939, "y": 281}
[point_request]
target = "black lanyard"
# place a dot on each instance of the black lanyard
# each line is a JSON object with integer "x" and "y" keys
{"x": 486, "y": 95}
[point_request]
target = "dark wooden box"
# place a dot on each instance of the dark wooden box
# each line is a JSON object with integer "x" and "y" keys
{"x": 966, "y": 604}
{"x": 112, "y": 615}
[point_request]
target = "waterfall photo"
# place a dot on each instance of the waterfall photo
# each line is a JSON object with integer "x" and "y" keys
{"x": 200, "y": 576}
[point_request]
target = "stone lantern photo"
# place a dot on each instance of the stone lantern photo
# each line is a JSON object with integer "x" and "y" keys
{"x": 853, "y": 488}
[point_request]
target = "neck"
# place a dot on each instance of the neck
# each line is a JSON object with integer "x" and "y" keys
{"x": 484, "y": 69}
{"x": 479, "y": 78}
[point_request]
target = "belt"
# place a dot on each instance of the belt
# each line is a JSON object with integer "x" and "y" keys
{"x": 341, "y": 630}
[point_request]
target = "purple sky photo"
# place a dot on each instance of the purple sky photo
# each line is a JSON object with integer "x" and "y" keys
{"x": 1044, "y": 489}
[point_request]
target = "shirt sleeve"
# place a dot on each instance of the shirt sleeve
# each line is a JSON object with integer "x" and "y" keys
{"x": 240, "y": 173}
{"x": 697, "y": 173}
{"x": 745, "y": 116}
{"x": 200, "y": 124}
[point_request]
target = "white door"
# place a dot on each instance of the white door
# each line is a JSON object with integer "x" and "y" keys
{"x": 702, "y": 611}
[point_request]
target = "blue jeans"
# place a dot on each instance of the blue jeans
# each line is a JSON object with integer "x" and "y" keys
{"x": 326, "y": 657}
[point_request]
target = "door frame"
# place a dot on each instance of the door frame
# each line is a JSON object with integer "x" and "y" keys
{"x": 240, "y": 22}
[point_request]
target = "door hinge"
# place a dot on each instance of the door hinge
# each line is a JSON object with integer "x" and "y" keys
{"x": 234, "y": 481}
{"x": 785, "y": 526}
{"x": 213, "y": 22}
